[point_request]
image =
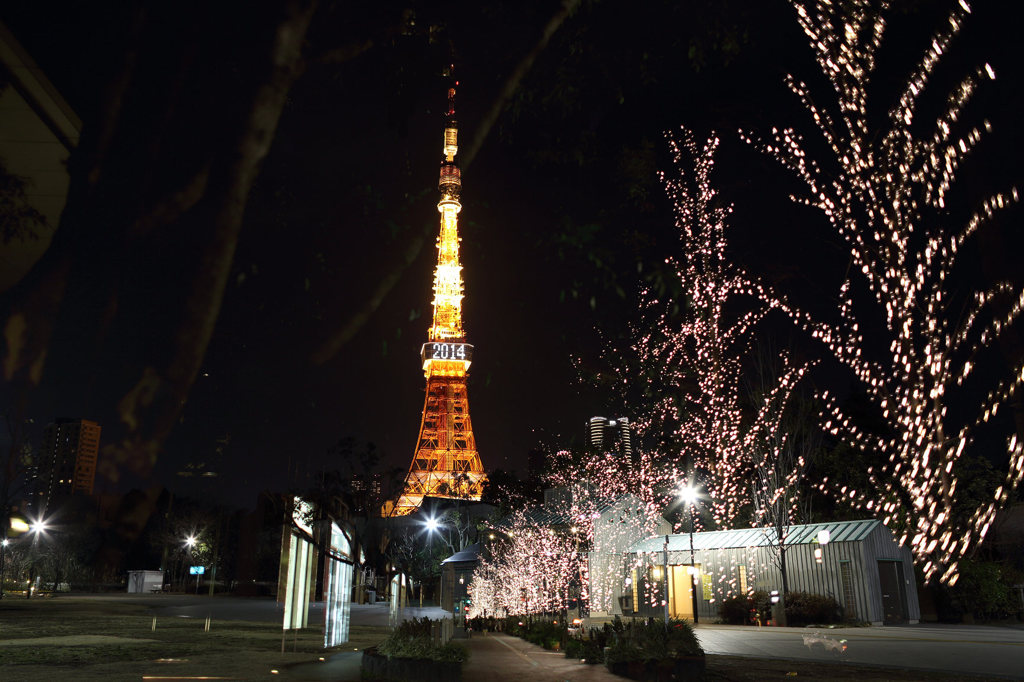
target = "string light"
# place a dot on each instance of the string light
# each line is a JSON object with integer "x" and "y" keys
{"x": 886, "y": 194}
{"x": 699, "y": 378}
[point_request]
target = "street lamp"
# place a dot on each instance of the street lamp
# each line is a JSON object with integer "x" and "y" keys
{"x": 433, "y": 525}
{"x": 190, "y": 543}
{"x": 3, "y": 554}
{"x": 37, "y": 528}
{"x": 689, "y": 495}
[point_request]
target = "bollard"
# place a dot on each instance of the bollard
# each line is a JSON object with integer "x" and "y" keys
{"x": 153, "y": 629}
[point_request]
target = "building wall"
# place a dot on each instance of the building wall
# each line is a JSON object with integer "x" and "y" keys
{"x": 453, "y": 591}
{"x": 86, "y": 457}
{"x": 70, "y": 453}
{"x": 722, "y": 567}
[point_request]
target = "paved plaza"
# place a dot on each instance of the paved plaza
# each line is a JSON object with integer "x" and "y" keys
{"x": 995, "y": 652}
{"x": 970, "y": 649}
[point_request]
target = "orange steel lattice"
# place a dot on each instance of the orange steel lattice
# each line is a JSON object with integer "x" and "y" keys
{"x": 446, "y": 463}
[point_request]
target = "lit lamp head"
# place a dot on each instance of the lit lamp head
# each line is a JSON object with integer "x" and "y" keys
{"x": 432, "y": 524}
{"x": 190, "y": 541}
{"x": 688, "y": 494}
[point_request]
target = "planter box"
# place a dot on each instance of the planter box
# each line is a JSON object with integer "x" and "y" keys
{"x": 379, "y": 667}
{"x": 664, "y": 670}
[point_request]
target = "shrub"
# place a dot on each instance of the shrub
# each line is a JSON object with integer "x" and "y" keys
{"x": 574, "y": 648}
{"x": 593, "y": 651}
{"x": 804, "y": 608}
{"x": 413, "y": 639}
{"x": 652, "y": 641}
{"x": 548, "y": 634}
{"x": 982, "y": 591}
{"x": 738, "y": 609}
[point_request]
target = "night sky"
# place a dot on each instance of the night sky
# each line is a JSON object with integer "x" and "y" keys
{"x": 562, "y": 213}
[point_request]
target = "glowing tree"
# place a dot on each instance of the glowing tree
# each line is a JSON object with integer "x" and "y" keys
{"x": 887, "y": 193}
{"x": 552, "y": 554}
{"x": 529, "y": 570}
{"x": 636, "y": 488}
{"x": 698, "y": 356}
{"x": 780, "y": 454}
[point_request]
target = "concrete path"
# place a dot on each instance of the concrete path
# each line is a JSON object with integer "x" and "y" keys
{"x": 496, "y": 657}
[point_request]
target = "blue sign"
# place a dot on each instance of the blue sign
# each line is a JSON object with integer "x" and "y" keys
{"x": 196, "y": 570}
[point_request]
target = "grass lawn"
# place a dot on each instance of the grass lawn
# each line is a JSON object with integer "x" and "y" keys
{"x": 45, "y": 639}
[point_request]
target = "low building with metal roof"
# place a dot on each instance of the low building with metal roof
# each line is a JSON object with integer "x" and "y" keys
{"x": 860, "y": 565}
{"x": 456, "y": 577}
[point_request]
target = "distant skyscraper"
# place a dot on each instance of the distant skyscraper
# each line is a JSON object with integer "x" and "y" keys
{"x": 366, "y": 491}
{"x": 71, "y": 448}
{"x": 610, "y": 435}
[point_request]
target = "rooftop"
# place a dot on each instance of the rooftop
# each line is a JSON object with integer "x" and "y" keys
{"x": 839, "y": 531}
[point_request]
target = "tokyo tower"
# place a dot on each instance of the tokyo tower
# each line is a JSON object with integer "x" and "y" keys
{"x": 446, "y": 463}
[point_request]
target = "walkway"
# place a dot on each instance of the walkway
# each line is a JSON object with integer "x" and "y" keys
{"x": 497, "y": 657}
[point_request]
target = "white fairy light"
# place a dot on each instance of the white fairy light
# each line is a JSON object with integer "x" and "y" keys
{"x": 886, "y": 194}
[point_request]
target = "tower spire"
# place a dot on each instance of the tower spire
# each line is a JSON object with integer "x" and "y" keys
{"x": 446, "y": 462}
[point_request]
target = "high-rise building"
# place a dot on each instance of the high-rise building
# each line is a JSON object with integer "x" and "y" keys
{"x": 71, "y": 448}
{"x": 446, "y": 462}
{"x": 610, "y": 435}
{"x": 366, "y": 492}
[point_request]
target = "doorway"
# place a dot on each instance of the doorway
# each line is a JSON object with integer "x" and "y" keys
{"x": 681, "y": 593}
{"x": 894, "y": 592}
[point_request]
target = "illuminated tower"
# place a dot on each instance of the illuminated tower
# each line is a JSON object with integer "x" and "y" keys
{"x": 446, "y": 463}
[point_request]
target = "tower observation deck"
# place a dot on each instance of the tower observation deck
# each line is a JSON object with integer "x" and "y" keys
{"x": 446, "y": 462}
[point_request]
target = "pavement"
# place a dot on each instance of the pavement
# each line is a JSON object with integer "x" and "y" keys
{"x": 497, "y": 657}
{"x": 994, "y": 652}
{"x": 493, "y": 656}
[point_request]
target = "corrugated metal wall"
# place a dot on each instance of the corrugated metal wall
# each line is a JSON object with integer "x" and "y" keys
{"x": 805, "y": 574}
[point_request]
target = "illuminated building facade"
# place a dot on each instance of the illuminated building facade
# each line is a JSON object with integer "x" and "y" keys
{"x": 446, "y": 462}
{"x": 71, "y": 448}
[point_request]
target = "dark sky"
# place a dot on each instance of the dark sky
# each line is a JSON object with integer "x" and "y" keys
{"x": 562, "y": 214}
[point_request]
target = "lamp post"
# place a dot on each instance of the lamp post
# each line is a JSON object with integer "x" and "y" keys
{"x": 665, "y": 571}
{"x": 3, "y": 554}
{"x": 689, "y": 496}
{"x": 433, "y": 525}
{"x": 37, "y": 528}
{"x": 190, "y": 542}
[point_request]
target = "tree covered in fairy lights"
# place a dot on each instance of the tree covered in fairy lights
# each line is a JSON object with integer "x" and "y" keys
{"x": 696, "y": 358}
{"x": 530, "y": 568}
{"x": 545, "y": 556}
{"x": 641, "y": 487}
{"x": 888, "y": 193}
